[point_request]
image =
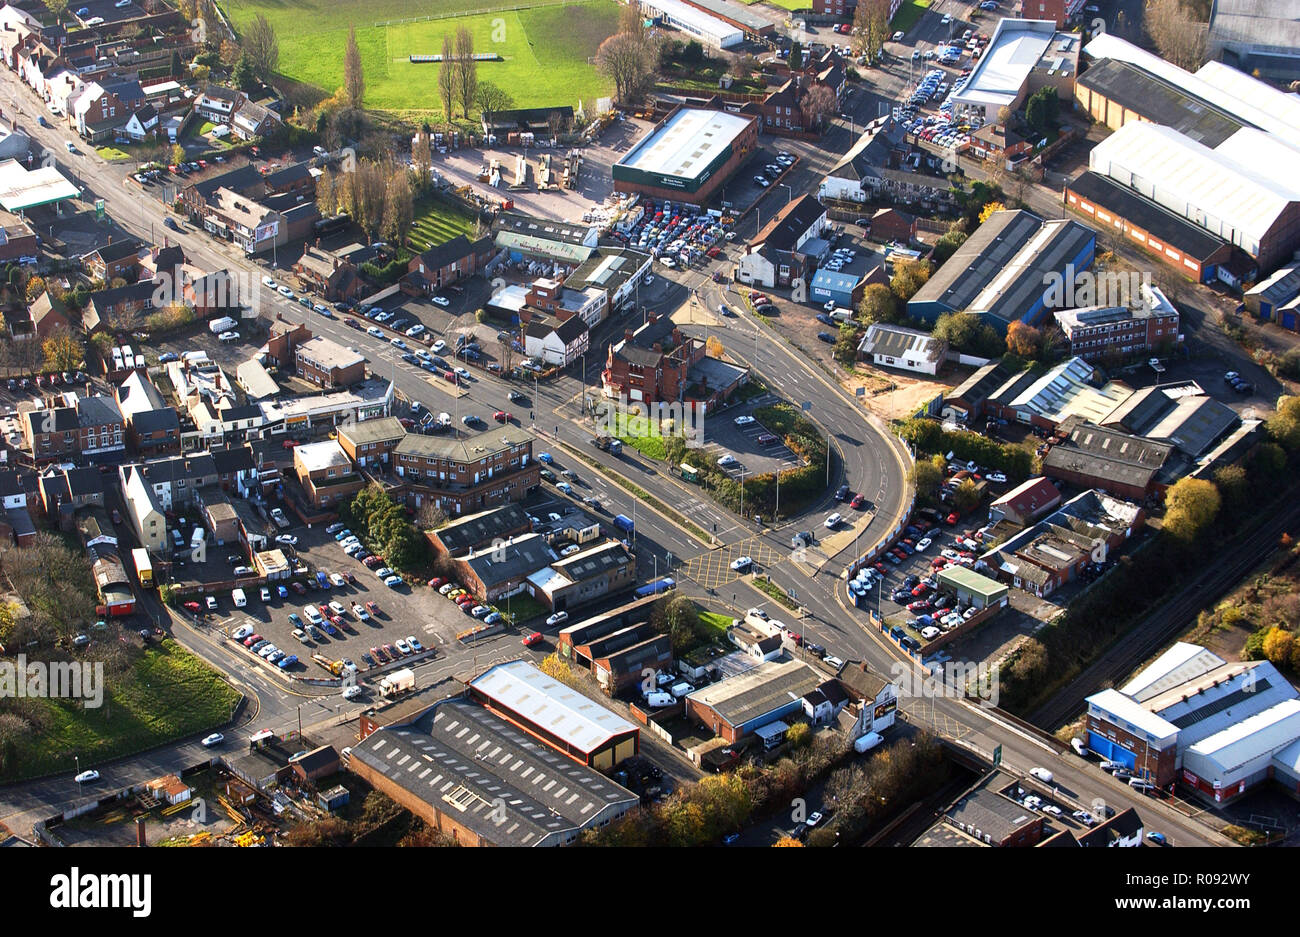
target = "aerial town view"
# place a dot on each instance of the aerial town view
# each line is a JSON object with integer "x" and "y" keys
{"x": 661, "y": 423}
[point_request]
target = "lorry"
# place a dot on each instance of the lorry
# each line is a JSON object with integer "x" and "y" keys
{"x": 143, "y": 567}
{"x": 609, "y": 444}
{"x": 333, "y": 666}
{"x": 399, "y": 681}
{"x": 623, "y": 523}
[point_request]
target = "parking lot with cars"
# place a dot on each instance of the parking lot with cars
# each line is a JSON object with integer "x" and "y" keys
{"x": 743, "y": 445}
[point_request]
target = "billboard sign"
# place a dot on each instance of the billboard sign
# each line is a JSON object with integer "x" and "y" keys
{"x": 266, "y": 231}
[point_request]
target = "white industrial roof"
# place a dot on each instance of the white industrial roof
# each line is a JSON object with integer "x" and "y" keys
{"x": 1012, "y": 53}
{"x": 1064, "y": 391}
{"x": 696, "y": 20}
{"x": 1224, "y": 87}
{"x": 687, "y": 144}
{"x": 1223, "y": 194}
{"x": 315, "y": 456}
{"x": 565, "y": 713}
{"x": 1223, "y": 697}
{"x": 1180, "y": 663}
{"x": 1116, "y": 704}
{"x": 20, "y": 189}
{"x": 1262, "y": 734}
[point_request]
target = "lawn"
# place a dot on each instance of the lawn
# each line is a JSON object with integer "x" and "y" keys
{"x": 908, "y": 14}
{"x": 719, "y": 623}
{"x": 521, "y": 608}
{"x": 794, "y": 6}
{"x": 168, "y": 695}
{"x": 437, "y": 222}
{"x": 545, "y": 49}
{"x": 111, "y": 153}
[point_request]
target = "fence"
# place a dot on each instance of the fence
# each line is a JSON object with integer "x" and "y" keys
{"x": 497, "y": 9}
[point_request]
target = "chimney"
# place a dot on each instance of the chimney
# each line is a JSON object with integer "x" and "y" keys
{"x": 627, "y": 335}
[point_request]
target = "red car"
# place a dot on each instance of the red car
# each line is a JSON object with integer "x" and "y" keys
{"x": 534, "y": 638}
{"x": 299, "y": 588}
{"x": 953, "y": 518}
{"x": 858, "y": 502}
{"x": 192, "y": 607}
{"x": 437, "y": 581}
{"x": 406, "y": 422}
{"x": 373, "y": 562}
{"x": 879, "y": 566}
{"x": 372, "y": 608}
{"x": 502, "y": 417}
{"x": 379, "y": 656}
{"x": 252, "y": 639}
{"x": 920, "y": 589}
{"x": 920, "y": 605}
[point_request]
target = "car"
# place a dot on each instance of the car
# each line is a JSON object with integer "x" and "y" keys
{"x": 165, "y": 358}
{"x": 402, "y": 647}
{"x": 352, "y": 692}
{"x": 287, "y": 540}
{"x": 739, "y": 421}
{"x": 442, "y": 301}
{"x": 1141, "y": 784}
{"x": 211, "y": 603}
{"x": 558, "y": 618}
{"x": 1042, "y": 774}
{"x": 265, "y": 594}
{"x": 534, "y": 638}
{"x": 740, "y": 564}
{"x": 390, "y": 651}
{"x": 286, "y": 662}
{"x": 87, "y": 776}
{"x": 842, "y": 493}
{"x": 923, "y": 544}
{"x": 216, "y": 738}
{"x": 378, "y": 655}
{"x": 1157, "y": 838}
{"x": 996, "y": 477}
{"x": 897, "y": 37}
{"x": 920, "y": 605}
{"x": 826, "y": 337}
{"x": 393, "y": 581}
{"x": 832, "y": 521}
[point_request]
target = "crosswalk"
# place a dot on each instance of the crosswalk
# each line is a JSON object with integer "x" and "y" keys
{"x": 713, "y": 568}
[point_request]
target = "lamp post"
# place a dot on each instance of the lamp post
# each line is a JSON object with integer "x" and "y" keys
{"x": 742, "y": 475}
{"x": 789, "y": 192}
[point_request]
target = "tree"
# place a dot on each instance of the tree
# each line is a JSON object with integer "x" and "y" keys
{"x": 1190, "y": 507}
{"x": 1279, "y": 646}
{"x": 1024, "y": 341}
{"x": 63, "y": 352}
{"x": 447, "y": 78}
{"x": 966, "y": 497}
{"x": 177, "y": 154}
{"x": 35, "y": 287}
{"x": 871, "y": 27}
{"x": 713, "y": 347}
{"x": 989, "y": 209}
{"x": 354, "y": 81}
{"x": 327, "y": 195}
{"x": 1176, "y": 35}
{"x": 878, "y": 304}
{"x": 261, "y": 47}
{"x": 399, "y": 206}
{"x": 787, "y": 842}
{"x": 229, "y": 53}
{"x": 796, "y": 57}
{"x": 57, "y": 7}
{"x": 466, "y": 73}
{"x": 947, "y": 245}
{"x": 626, "y": 61}
{"x": 819, "y": 105}
{"x": 969, "y": 334}
{"x": 243, "y": 76}
{"x": 926, "y": 476}
{"x": 491, "y": 100}
{"x": 909, "y": 276}
{"x": 846, "y": 345}
{"x": 798, "y": 735}
{"x": 177, "y": 67}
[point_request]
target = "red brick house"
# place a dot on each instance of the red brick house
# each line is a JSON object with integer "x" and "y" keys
{"x": 50, "y": 433}
{"x": 330, "y": 274}
{"x": 114, "y": 260}
{"x": 651, "y": 363}
{"x": 447, "y": 263}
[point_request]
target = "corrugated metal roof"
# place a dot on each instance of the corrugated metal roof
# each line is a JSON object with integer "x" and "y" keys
{"x": 1263, "y": 733}
{"x": 1112, "y": 703}
{"x": 1180, "y": 663}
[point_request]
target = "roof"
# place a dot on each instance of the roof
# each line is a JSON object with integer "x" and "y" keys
{"x": 747, "y": 697}
{"x": 1161, "y": 101}
{"x": 1193, "y": 423}
{"x": 989, "y": 813}
{"x": 791, "y": 223}
{"x": 1002, "y": 268}
{"x": 470, "y": 449}
{"x": 1220, "y": 698}
{"x": 1124, "y": 825}
{"x": 1281, "y": 287}
{"x": 162, "y": 420}
{"x": 1180, "y": 663}
{"x": 832, "y": 280}
{"x": 594, "y": 561}
{"x": 575, "y": 720}
{"x": 980, "y": 385}
{"x": 367, "y": 432}
{"x": 317, "y": 456}
{"x": 1258, "y": 26}
{"x": 962, "y": 578}
{"x": 608, "y": 269}
{"x": 545, "y": 228}
{"x": 1030, "y": 497}
{"x": 256, "y": 380}
{"x": 64, "y": 420}
{"x": 1172, "y": 229}
{"x": 736, "y": 13}
{"x": 1065, "y": 391}
{"x": 516, "y": 558}
{"x": 474, "y": 761}
{"x": 111, "y": 253}
{"x": 328, "y": 355}
{"x": 1110, "y": 454}
{"x": 317, "y": 760}
{"x": 695, "y": 21}
{"x": 688, "y": 143}
{"x": 20, "y": 189}
{"x": 449, "y": 252}
{"x": 1238, "y": 186}
{"x": 474, "y": 530}
{"x": 1131, "y": 715}
{"x": 1254, "y": 737}
{"x": 98, "y": 410}
{"x": 1004, "y": 67}
{"x": 894, "y": 341}
{"x": 232, "y": 460}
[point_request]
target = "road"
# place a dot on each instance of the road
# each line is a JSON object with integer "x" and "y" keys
{"x": 866, "y": 457}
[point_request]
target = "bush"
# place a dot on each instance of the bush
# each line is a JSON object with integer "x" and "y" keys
{"x": 928, "y": 437}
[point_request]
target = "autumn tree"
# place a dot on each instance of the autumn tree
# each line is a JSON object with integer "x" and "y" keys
{"x": 909, "y": 276}
{"x": 354, "y": 81}
{"x": 63, "y": 352}
{"x": 870, "y": 27}
{"x": 57, "y": 7}
{"x": 819, "y": 106}
{"x": 35, "y": 287}
{"x": 1279, "y": 646}
{"x": 327, "y": 196}
{"x": 627, "y": 61}
{"x": 1024, "y": 341}
{"x": 926, "y": 476}
{"x": 465, "y": 74}
{"x": 1284, "y": 425}
{"x": 242, "y": 76}
{"x": 1191, "y": 505}
{"x": 399, "y": 206}
{"x": 261, "y": 47}
{"x": 989, "y": 209}
{"x": 967, "y": 496}
{"x": 713, "y": 347}
{"x": 878, "y": 304}
{"x": 447, "y": 77}
{"x": 1177, "y": 36}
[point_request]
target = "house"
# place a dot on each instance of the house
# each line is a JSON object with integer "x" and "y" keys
{"x": 116, "y": 309}
{"x": 558, "y": 344}
{"x": 893, "y": 346}
{"x": 999, "y": 144}
{"x": 143, "y": 510}
{"x": 68, "y": 490}
{"x": 49, "y": 316}
{"x": 17, "y": 236}
{"x": 891, "y": 224}
{"x": 50, "y": 433}
{"x": 371, "y": 442}
{"x": 247, "y": 222}
{"x": 329, "y": 273}
{"x": 858, "y": 175}
{"x": 328, "y": 364}
{"x": 101, "y": 428}
{"x": 155, "y": 432}
{"x": 175, "y": 480}
{"x": 740, "y": 705}
{"x": 1124, "y": 830}
{"x": 111, "y": 261}
{"x": 142, "y": 125}
{"x": 774, "y": 256}
{"x": 213, "y": 294}
{"x": 448, "y": 263}
{"x": 652, "y": 363}
{"x": 284, "y": 338}
{"x": 235, "y": 469}
{"x": 254, "y": 120}
{"x": 1025, "y": 503}
{"x": 326, "y": 473}
{"x": 217, "y": 103}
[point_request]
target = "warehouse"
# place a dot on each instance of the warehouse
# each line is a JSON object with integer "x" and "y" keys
{"x": 1270, "y": 298}
{"x": 1001, "y": 272}
{"x": 971, "y": 588}
{"x": 1244, "y": 191}
{"x": 689, "y": 156}
{"x": 480, "y": 780}
{"x": 1256, "y": 36}
{"x": 740, "y": 705}
{"x": 893, "y": 346}
{"x": 840, "y": 287}
{"x": 736, "y": 15}
{"x": 695, "y": 22}
{"x": 1114, "y": 92}
{"x": 561, "y": 717}
{"x": 1022, "y": 57}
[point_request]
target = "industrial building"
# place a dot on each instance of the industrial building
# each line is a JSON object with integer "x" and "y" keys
{"x": 1048, "y": 399}
{"x": 1218, "y": 728}
{"x": 1256, "y": 36}
{"x": 556, "y": 715}
{"x": 1022, "y": 57}
{"x": 894, "y": 346}
{"x": 745, "y": 703}
{"x": 1001, "y": 272}
{"x": 708, "y": 29}
{"x": 689, "y": 156}
{"x": 1274, "y": 298}
{"x": 479, "y": 778}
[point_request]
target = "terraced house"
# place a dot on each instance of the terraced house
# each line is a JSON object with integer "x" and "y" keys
{"x": 467, "y": 475}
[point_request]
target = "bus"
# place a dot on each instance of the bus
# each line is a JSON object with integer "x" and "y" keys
{"x": 331, "y": 225}
{"x": 143, "y": 568}
{"x": 662, "y": 584}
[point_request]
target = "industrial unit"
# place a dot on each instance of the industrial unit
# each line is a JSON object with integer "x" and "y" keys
{"x": 689, "y": 156}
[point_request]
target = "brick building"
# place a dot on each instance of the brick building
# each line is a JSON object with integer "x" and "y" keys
{"x": 651, "y": 363}
{"x": 467, "y": 475}
{"x": 328, "y": 364}
{"x": 325, "y": 473}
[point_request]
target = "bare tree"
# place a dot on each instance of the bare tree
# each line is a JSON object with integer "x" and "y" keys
{"x": 818, "y": 105}
{"x": 447, "y": 77}
{"x": 422, "y": 155}
{"x": 491, "y": 99}
{"x": 261, "y": 47}
{"x": 354, "y": 81}
{"x": 1176, "y": 34}
{"x": 399, "y": 206}
{"x": 466, "y": 73}
{"x": 871, "y": 27}
{"x": 626, "y": 61}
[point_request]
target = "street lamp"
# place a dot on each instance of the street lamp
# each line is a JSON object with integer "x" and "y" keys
{"x": 789, "y": 192}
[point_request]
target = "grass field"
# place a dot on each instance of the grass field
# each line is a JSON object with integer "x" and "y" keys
{"x": 908, "y": 14}
{"x": 544, "y": 49}
{"x": 437, "y": 223}
{"x": 111, "y": 153}
{"x": 168, "y": 695}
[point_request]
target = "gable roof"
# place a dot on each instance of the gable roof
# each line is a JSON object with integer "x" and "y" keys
{"x": 790, "y": 224}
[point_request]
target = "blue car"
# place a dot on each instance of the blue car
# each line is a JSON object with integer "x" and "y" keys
{"x": 545, "y": 457}
{"x": 329, "y": 629}
{"x": 288, "y": 662}
{"x": 283, "y": 592}
{"x": 342, "y": 535}
{"x": 410, "y": 359}
{"x": 430, "y": 367}
{"x": 168, "y": 356}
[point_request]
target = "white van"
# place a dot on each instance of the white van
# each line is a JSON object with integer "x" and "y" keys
{"x": 1042, "y": 774}
{"x": 444, "y": 419}
{"x": 681, "y": 689}
{"x": 239, "y": 598}
{"x": 866, "y": 743}
{"x": 312, "y": 614}
{"x": 658, "y": 699}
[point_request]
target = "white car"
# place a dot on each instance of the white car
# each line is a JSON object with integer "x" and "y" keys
{"x": 339, "y": 581}
{"x": 85, "y": 776}
{"x": 216, "y": 738}
{"x": 997, "y": 477}
{"x": 833, "y": 521}
{"x": 923, "y": 544}
{"x": 337, "y": 607}
{"x": 829, "y": 305}
{"x": 284, "y": 291}
{"x": 742, "y": 563}
{"x": 267, "y": 281}
{"x": 558, "y": 618}
{"x": 439, "y": 347}
{"x": 241, "y": 632}
{"x": 211, "y": 603}
{"x": 930, "y": 633}
{"x": 726, "y": 459}
{"x": 360, "y": 611}
{"x": 743, "y": 420}
{"x": 462, "y": 373}
{"x": 352, "y": 692}
{"x": 228, "y": 337}
{"x": 265, "y": 594}
{"x": 376, "y": 331}
{"x": 414, "y": 330}
{"x": 1052, "y": 809}
{"x": 397, "y": 343}
{"x": 287, "y": 540}
{"x": 897, "y": 37}
{"x": 442, "y": 300}
{"x": 570, "y": 550}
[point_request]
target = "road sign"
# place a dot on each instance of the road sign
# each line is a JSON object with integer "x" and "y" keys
{"x": 99, "y": 209}
{"x": 997, "y": 756}
{"x": 806, "y": 406}
{"x": 860, "y": 392}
